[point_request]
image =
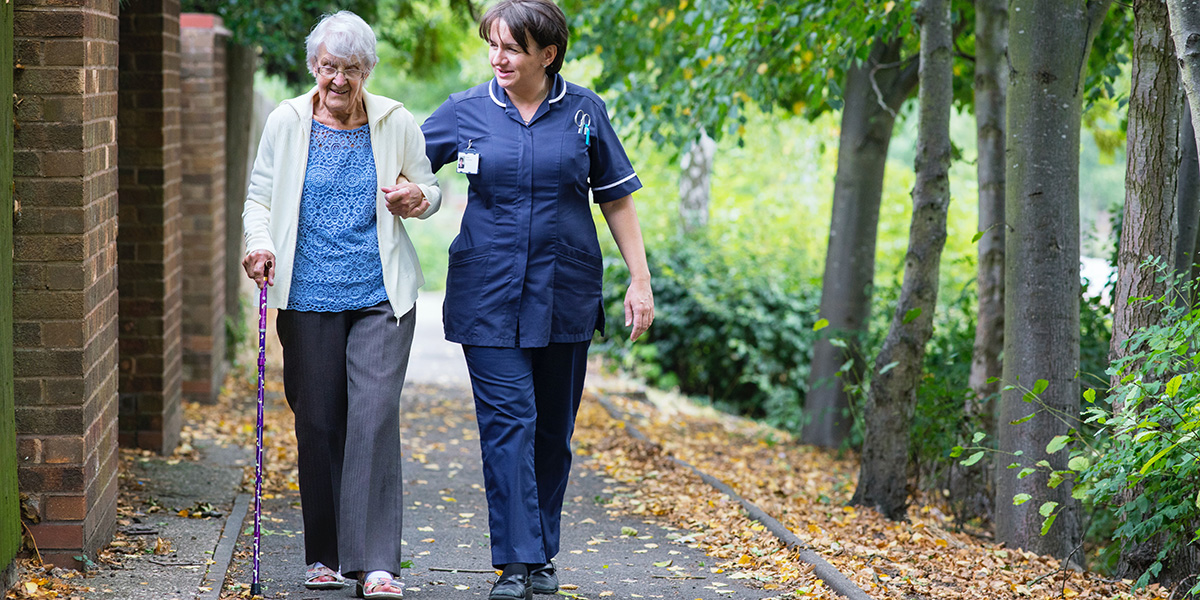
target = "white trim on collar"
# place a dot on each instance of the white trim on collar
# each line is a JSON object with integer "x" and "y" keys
{"x": 557, "y": 79}
{"x": 493, "y": 95}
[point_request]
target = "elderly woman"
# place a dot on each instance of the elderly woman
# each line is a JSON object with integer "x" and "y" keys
{"x": 523, "y": 292}
{"x": 323, "y": 229}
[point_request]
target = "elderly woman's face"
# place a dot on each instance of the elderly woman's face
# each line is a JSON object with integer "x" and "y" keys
{"x": 516, "y": 68}
{"x": 339, "y": 82}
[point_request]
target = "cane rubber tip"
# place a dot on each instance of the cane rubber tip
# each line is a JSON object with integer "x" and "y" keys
{"x": 256, "y": 590}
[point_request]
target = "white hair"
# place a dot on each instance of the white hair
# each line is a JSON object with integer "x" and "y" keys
{"x": 344, "y": 35}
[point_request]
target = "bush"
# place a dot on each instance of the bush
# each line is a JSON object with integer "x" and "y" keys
{"x": 727, "y": 328}
{"x": 1144, "y": 466}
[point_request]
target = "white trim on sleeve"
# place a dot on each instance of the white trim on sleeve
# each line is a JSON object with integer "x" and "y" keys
{"x": 615, "y": 184}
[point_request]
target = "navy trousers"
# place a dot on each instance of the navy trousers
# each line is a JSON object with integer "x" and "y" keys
{"x": 525, "y": 401}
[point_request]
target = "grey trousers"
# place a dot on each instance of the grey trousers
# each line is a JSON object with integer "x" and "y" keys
{"x": 343, "y": 374}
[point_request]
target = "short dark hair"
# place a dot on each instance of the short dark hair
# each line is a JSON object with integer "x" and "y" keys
{"x": 541, "y": 20}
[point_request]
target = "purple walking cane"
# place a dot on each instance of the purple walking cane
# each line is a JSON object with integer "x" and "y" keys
{"x": 255, "y": 586}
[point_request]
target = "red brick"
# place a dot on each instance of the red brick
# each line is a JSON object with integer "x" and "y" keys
{"x": 27, "y": 391}
{"x": 65, "y": 508}
{"x": 66, "y": 52}
{"x": 48, "y": 136}
{"x": 62, "y": 334}
{"x": 63, "y": 559}
{"x": 55, "y": 536}
{"x": 49, "y": 24}
{"x": 58, "y": 478}
{"x": 29, "y": 450}
{"x": 65, "y": 277}
{"x": 63, "y": 164}
{"x": 44, "y": 192}
{"x": 65, "y": 390}
{"x": 48, "y": 305}
{"x": 62, "y": 450}
{"x": 62, "y": 108}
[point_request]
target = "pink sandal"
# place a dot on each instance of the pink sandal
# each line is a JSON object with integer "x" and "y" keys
{"x": 387, "y": 588}
{"x": 321, "y": 577}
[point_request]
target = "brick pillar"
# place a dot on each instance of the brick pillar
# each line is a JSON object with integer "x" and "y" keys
{"x": 203, "y": 83}
{"x": 240, "y": 63}
{"x": 64, "y": 271}
{"x": 149, "y": 244}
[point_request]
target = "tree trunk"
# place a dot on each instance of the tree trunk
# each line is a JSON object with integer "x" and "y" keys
{"x": 241, "y": 62}
{"x": 972, "y": 487}
{"x": 1048, "y": 47}
{"x": 1185, "y": 30}
{"x": 694, "y": 183}
{"x": 1150, "y": 224}
{"x": 883, "y": 477}
{"x": 850, "y": 260}
{"x": 1149, "y": 227}
{"x": 1187, "y": 197}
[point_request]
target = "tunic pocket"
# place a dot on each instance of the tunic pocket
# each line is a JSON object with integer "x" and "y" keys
{"x": 466, "y": 277}
{"x": 578, "y": 275}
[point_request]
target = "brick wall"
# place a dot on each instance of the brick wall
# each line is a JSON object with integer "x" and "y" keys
{"x": 64, "y": 271}
{"x": 203, "y": 42}
{"x": 149, "y": 244}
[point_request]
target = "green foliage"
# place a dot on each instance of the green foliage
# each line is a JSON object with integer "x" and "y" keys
{"x": 1109, "y": 55}
{"x": 1134, "y": 454}
{"x": 727, "y": 328}
{"x": 939, "y": 419}
{"x": 423, "y": 37}
{"x": 1147, "y": 468}
{"x": 769, "y": 215}
{"x": 427, "y": 36}
{"x": 278, "y": 28}
{"x": 677, "y": 67}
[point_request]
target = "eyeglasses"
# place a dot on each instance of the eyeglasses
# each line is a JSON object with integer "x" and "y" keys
{"x": 352, "y": 74}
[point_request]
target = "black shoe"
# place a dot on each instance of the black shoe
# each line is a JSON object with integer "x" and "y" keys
{"x": 513, "y": 586}
{"x": 544, "y": 580}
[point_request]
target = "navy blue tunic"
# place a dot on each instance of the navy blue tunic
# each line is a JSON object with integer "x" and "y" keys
{"x": 525, "y": 269}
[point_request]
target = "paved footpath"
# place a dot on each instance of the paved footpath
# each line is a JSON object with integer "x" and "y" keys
{"x": 445, "y": 519}
{"x": 445, "y": 511}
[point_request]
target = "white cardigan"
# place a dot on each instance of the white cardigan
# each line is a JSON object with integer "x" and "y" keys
{"x": 272, "y": 210}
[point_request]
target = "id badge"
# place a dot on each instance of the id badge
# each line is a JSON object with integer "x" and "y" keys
{"x": 468, "y": 162}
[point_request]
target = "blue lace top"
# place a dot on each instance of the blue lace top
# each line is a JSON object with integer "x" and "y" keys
{"x": 337, "y": 265}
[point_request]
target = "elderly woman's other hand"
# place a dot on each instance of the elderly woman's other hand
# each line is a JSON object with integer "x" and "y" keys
{"x": 405, "y": 200}
{"x": 260, "y": 265}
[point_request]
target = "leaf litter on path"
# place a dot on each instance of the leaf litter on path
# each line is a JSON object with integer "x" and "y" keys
{"x": 806, "y": 489}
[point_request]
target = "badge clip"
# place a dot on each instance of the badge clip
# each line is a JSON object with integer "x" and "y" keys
{"x": 468, "y": 160}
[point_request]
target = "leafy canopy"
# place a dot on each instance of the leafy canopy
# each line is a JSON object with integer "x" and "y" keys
{"x": 278, "y": 28}
{"x": 426, "y": 34}
{"x": 679, "y": 67}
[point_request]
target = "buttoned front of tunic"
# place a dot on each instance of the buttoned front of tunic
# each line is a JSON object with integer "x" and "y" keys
{"x": 525, "y": 269}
